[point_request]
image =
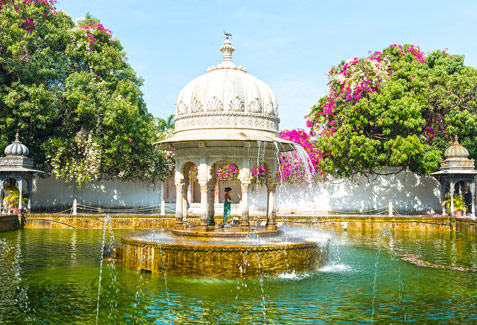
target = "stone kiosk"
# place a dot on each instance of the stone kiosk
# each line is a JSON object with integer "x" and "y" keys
{"x": 457, "y": 168}
{"x": 17, "y": 166}
{"x": 223, "y": 117}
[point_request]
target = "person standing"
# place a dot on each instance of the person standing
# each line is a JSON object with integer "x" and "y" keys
{"x": 227, "y": 204}
{"x": 468, "y": 201}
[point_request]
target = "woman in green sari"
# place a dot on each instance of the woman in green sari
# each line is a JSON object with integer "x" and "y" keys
{"x": 227, "y": 203}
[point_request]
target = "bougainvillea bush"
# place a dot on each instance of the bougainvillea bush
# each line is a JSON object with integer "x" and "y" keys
{"x": 194, "y": 173}
{"x": 68, "y": 89}
{"x": 294, "y": 167}
{"x": 228, "y": 173}
{"x": 259, "y": 175}
{"x": 394, "y": 108}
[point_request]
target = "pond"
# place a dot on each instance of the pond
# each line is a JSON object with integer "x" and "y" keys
{"x": 57, "y": 276}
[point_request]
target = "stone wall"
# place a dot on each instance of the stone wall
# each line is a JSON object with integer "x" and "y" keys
{"x": 358, "y": 224}
{"x": 52, "y": 194}
{"x": 97, "y": 221}
{"x": 410, "y": 193}
{"x": 10, "y": 222}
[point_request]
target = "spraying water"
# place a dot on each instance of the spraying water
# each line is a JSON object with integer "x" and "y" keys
{"x": 106, "y": 226}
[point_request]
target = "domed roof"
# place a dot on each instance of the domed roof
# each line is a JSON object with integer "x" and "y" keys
{"x": 457, "y": 160}
{"x": 456, "y": 150}
{"x": 227, "y": 97}
{"x": 16, "y": 148}
{"x": 226, "y": 105}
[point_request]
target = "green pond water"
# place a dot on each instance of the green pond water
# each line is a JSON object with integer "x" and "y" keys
{"x": 56, "y": 276}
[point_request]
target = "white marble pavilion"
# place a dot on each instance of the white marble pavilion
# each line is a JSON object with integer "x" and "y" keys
{"x": 225, "y": 116}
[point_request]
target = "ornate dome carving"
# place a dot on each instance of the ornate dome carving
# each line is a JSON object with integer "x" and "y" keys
{"x": 16, "y": 148}
{"x": 457, "y": 158}
{"x": 227, "y": 97}
{"x": 456, "y": 150}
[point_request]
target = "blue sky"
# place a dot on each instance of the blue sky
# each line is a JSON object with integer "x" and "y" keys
{"x": 290, "y": 45}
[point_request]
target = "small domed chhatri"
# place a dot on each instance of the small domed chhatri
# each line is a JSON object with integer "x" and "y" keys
{"x": 17, "y": 148}
{"x": 456, "y": 169}
{"x": 17, "y": 167}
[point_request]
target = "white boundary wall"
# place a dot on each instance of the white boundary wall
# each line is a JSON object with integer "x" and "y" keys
{"x": 49, "y": 192}
{"x": 409, "y": 192}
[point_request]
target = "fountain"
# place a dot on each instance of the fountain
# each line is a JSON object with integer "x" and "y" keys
{"x": 380, "y": 269}
{"x": 225, "y": 116}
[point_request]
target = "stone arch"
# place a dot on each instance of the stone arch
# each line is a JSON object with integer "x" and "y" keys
{"x": 223, "y": 161}
{"x": 191, "y": 185}
{"x": 221, "y": 184}
{"x": 219, "y": 163}
{"x": 185, "y": 170}
{"x": 182, "y": 183}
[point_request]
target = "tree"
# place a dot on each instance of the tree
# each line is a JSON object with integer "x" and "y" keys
{"x": 165, "y": 124}
{"x": 69, "y": 90}
{"x": 396, "y": 108}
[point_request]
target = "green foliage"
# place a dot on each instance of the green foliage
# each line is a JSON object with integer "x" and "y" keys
{"x": 12, "y": 197}
{"x": 68, "y": 89}
{"x": 459, "y": 202}
{"x": 401, "y": 114}
{"x": 164, "y": 125}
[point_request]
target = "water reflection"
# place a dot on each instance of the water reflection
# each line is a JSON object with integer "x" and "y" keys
{"x": 51, "y": 275}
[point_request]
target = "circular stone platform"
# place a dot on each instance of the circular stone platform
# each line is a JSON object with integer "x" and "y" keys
{"x": 161, "y": 251}
{"x": 229, "y": 231}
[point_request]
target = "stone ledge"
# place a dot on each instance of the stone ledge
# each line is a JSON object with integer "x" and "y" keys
{"x": 9, "y": 222}
{"x": 465, "y": 225}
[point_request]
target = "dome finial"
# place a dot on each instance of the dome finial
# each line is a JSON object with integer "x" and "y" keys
{"x": 227, "y": 49}
{"x": 456, "y": 139}
{"x": 16, "y": 148}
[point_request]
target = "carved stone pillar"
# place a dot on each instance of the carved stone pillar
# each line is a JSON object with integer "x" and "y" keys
{"x": 451, "y": 192}
{"x": 30, "y": 194}
{"x": 185, "y": 212}
{"x": 204, "y": 207}
{"x": 272, "y": 210}
{"x": 244, "y": 222}
{"x": 472, "y": 191}
{"x": 2, "y": 194}
{"x": 20, "y": 196}
{"x": 210, "y": 201}
{"x": 190, "y": 192}
{"x": 179, "y": 205}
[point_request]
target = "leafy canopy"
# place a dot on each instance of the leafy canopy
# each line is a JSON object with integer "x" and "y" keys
{"x": 395, "y": 108}
{"x": 67, "y": 87}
